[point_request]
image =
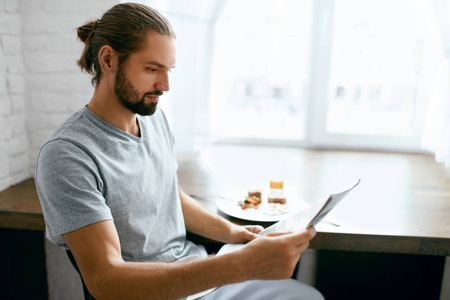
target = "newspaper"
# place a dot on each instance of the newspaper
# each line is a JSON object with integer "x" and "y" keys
{"x": 298, "y": 222}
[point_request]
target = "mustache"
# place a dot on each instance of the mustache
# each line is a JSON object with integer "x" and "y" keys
{"x": 154, "y": 93}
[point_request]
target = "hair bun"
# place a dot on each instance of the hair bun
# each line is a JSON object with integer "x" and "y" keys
{"x": 85, "y": 32}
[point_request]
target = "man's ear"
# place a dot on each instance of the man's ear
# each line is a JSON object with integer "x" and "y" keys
{"x": 107, "y": 58}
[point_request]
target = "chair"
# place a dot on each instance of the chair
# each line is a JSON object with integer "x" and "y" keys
{"x": 87, "y": 295}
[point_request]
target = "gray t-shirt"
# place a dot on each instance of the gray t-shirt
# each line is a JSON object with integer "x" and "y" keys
{"x": 90, "y": 171}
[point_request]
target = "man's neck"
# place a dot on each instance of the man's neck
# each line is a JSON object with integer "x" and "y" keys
{"x": 105, "y": 105}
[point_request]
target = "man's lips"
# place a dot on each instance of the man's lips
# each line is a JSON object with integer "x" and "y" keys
{"x": 152, "y": 98}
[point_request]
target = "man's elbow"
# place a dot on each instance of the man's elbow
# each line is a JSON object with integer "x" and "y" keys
{"x": 97, "y": 285}
{"x": 105, "y": 283}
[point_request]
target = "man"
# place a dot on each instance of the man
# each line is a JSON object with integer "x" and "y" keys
{"x": 107, "y": 183}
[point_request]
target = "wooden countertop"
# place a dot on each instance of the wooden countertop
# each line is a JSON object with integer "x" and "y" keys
{"x": 20, "y": 207}
{"x": 401, "y": 206}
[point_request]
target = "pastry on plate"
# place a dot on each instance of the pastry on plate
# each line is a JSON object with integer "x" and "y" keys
{"x": 277, "y": 198}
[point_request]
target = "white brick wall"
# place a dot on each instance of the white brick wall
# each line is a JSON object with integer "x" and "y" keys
{"x": 14, "y": 157}
{"x": 55, "y": 85}
{"x": 40, "y": 83}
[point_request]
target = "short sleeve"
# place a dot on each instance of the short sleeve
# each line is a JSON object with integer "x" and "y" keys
{"x": 69, "y": 187}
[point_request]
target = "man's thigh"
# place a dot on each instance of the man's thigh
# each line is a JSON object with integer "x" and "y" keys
{"x": 266, "y": 289}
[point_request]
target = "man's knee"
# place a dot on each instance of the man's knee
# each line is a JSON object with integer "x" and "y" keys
{"x": 294, "y": 289}
{"x": 288, "y": 289}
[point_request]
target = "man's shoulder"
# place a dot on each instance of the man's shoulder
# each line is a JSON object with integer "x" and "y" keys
{"x": 75, "y": 130}
{"x": 75, "y": 137}
{"x": 67, "y": 125}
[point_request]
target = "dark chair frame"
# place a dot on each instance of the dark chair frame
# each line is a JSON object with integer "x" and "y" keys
{"x": 87, "y": 295}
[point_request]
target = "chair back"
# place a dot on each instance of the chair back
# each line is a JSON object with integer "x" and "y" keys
{"x": 87, "y": 295}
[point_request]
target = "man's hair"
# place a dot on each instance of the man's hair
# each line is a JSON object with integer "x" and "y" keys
{"x": 124, "y": 28}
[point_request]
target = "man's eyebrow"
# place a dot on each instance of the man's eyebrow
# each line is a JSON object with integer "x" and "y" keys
{"x": 155, "y": 63}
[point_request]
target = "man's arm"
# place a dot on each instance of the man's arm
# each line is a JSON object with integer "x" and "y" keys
{"x": 96, "y": 249}
{"x": 200, "y": 221}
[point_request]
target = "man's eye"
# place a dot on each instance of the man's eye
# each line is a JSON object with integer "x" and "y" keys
{"x": 152, "y": 69}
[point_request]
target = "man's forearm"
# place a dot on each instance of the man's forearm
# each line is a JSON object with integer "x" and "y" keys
{"x": 96, "y": 249}
{"x": 129, "y": 280}
{"x": 267, "y": 257}
{"x": 200, "y": 221}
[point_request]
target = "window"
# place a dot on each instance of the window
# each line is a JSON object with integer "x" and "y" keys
{"x": 329, "y": 73}
{"x": 260, "y": 69}
{"x": 375, "y": 67}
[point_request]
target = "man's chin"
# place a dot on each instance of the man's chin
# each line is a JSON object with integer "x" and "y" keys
{"x": 148, "y": 110}
{"x": 140, "y": 108}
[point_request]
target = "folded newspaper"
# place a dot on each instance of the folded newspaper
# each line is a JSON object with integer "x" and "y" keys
{"x": 298, "y": 222}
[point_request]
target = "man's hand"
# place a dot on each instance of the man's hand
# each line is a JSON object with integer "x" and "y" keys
{"x": 275, "y": 255}
{"x": 244, "y": 234}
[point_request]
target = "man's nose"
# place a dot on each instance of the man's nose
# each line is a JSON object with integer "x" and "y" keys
{"x": 163, "y": 82}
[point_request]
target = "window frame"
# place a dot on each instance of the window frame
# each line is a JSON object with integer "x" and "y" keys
{"x": 316, "y": 135}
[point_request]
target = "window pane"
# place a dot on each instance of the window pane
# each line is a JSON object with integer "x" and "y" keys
{"x": 260, "y": 69}
{"x": 375, "y": 62}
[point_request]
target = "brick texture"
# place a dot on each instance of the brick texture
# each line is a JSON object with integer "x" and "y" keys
{"x": 14, "y": 157}
{"x": 40, "y": 83}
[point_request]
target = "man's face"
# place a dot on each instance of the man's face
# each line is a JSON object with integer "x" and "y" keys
{"x": 145, "y": 75}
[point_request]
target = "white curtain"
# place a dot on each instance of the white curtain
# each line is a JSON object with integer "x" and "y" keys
{"x": 436, "y": 135}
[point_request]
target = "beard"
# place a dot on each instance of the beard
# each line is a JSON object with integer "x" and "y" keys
{"x": 129, "y": 96}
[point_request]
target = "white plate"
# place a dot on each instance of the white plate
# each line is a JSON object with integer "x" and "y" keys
{"x": 232, "y": 208}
